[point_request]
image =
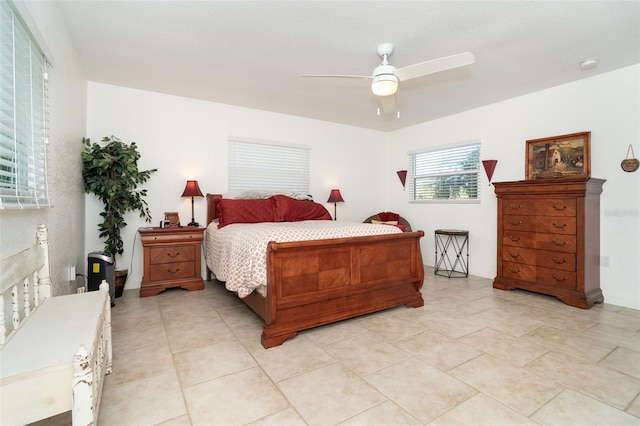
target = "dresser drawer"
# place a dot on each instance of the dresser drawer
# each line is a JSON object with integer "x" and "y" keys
{"x": 519, "y": 271}
{"x": 542, "y": 224}
{"x": 540, "y": 207}
{"x": 545, "y": 258}
{"x": 172, "y": 271}
{"x": 170, "y": 254}
{"x": 555, "y": 242}
{"x": 556, "y": 278}
{"x": 545, "y": 276}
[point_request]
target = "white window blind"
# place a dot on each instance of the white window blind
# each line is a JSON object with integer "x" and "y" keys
{"x": 257, "y": 164}
{"x": 445, "y": 174}
{"x": 23, "y": 115}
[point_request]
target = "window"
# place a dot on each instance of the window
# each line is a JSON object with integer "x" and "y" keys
{"x": 446, "y": 174}
{"x": 257, "y": 164}
{"x": 23, "y": 115}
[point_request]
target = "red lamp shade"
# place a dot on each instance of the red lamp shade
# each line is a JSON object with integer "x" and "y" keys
{"x": 192, "y": 189}
{"x": 489, "y": 167}
{"x": 335, "y": 197}
{"x": 402, "y": 175}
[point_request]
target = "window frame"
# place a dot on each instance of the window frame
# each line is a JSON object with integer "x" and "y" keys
{"x": 24, "y": 112}
{"x": 285, "y": 165}
{"x": 440, "y": 169}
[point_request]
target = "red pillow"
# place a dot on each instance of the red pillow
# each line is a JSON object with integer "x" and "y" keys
{"x": 291, "y": 210}
{"x": 388, "y": 216}
{"x": 245, "y": 211}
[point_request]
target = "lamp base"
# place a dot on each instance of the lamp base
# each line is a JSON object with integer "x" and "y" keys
{"x": 193, "y": 223}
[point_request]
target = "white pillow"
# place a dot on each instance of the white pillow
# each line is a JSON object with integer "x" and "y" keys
{"x": 265, "y": 193}
{"x": 388, "y": 222}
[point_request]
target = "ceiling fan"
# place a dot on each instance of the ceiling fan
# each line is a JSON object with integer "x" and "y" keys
{"x": 385, "y": 77}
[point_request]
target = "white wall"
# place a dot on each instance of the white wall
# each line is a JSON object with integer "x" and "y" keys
{"x": 187, "y": 139}
{"x": 67, "y": 101}
{"x": 608, "y": 105}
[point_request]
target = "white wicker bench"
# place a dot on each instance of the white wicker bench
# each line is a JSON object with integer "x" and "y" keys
{"x": 54, "y": 351}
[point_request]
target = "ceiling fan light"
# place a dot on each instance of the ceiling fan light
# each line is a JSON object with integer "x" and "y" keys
{"x": 384, "y": 85}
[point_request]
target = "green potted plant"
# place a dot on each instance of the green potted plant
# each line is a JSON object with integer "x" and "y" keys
{"x": 110, "y": 172}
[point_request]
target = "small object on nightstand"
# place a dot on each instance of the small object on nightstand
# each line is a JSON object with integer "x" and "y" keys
{"x": 172, "y": 218}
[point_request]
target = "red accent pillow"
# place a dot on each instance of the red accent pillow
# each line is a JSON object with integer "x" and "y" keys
{"x": 388, "y": 216}
{"x": 245, "y": 211}
{"x": 291, "y": 210}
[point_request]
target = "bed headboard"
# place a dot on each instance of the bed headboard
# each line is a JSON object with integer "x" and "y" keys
{"x": 24, "y": 284}
{"x": 212, "y": 212}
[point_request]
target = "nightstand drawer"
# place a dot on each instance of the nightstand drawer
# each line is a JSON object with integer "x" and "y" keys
{"x": 172, "y": 271}
{"x": 170, "y": 254}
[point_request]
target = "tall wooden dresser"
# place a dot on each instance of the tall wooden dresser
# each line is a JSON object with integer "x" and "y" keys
{"x": 549, "y": 238}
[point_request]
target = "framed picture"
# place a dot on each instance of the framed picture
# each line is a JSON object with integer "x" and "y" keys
{"x": 172, "y": 218}
{"x": 565, "y": 156}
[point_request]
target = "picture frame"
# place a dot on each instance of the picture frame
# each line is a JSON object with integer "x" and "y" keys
{"x": 173, "y": 218}
{"x": 557, "y": 157}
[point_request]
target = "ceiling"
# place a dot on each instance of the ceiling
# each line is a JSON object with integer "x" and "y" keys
{"x": 253, "y": 53}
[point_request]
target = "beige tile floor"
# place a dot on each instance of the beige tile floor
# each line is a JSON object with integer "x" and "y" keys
{"x": 471, "y": 356}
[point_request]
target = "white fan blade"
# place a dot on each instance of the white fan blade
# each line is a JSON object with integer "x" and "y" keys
{"x": 366, "y": 77}
{"x": 435, "y": 65}
{"x": 388, "y": 103}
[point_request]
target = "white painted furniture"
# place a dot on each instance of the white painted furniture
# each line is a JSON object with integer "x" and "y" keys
{"x": 54, "y": 351}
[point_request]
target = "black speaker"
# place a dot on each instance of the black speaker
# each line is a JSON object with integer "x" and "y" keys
{"x": 101, "y": 267}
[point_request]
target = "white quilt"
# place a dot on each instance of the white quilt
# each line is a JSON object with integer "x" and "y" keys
{"x": 237, "y": 254}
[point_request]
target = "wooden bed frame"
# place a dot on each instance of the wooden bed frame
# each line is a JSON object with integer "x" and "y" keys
{"x": 318, "y": 282}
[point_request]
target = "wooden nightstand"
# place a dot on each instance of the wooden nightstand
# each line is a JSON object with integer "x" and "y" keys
{"x": 171, "y": 259}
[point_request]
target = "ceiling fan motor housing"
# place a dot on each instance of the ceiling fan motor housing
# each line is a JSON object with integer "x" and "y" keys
{"x": 385, "y": 80}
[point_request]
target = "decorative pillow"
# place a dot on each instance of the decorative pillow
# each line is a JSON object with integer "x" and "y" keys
{"x": 387, "y": 216}
{"x": 386, "y": 222}
{"x": 291, "y": 210}
{"x": 245, "y": 211}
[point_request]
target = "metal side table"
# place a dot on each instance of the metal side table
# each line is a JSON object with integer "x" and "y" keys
{"x": 449, "y": 264}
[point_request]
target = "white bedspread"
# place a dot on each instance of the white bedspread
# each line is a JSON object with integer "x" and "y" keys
{"x": 237, "y": 254}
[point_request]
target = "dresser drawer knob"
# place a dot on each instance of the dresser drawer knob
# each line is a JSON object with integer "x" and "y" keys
{"x": 512, "y": 207}
{"x": 176, "y": 254}
{"x": 559, "y": 226}
{"x": 514, "y": 255}
{"x": 514, "y": 271}
{"x": 514, "y": 239}
{"x": 559, "y": 262}
{"x": 173, "y": 270}
{"x": 559, "y": 208}
{"x": 558, "y": 279}
{"x": 515, "y": 223}
{"x": 562, "y": 244}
